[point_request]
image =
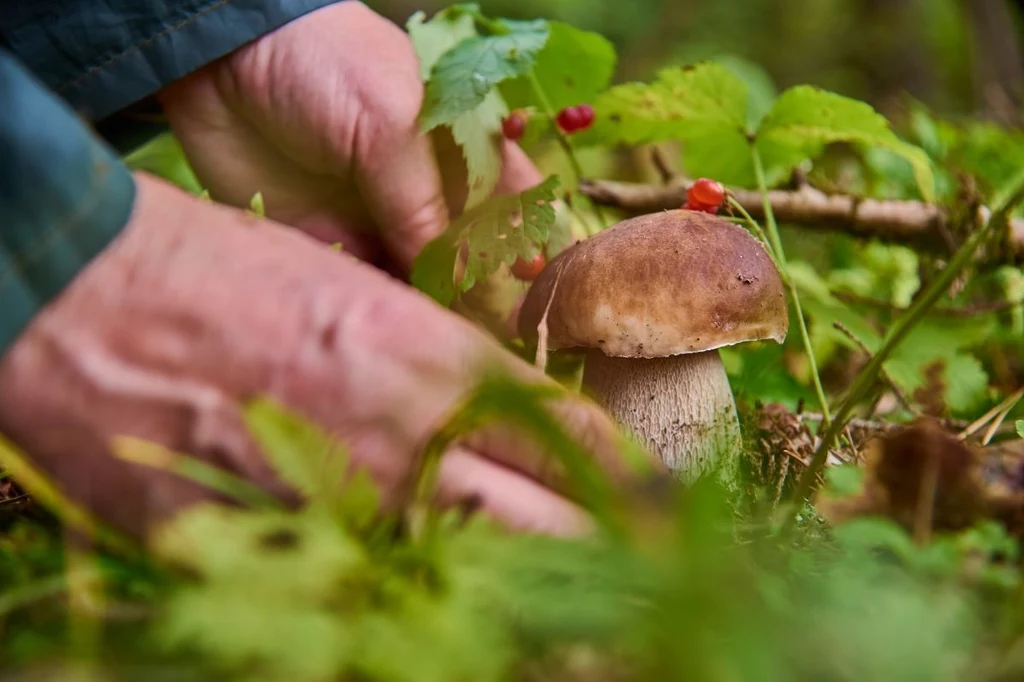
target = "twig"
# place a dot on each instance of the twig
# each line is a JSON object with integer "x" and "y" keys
{"x": 1006, "y": 405}
{"x": 662, "y": 165}
{"x": 906, "y": 222}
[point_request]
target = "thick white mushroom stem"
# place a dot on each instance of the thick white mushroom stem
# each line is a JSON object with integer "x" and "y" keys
{"x": 680, "y": 407}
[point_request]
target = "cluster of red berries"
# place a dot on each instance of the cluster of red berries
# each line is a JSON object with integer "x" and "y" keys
{"x": 569, "y": 119}
{"x": 574, "y": 119}
{"x": 704, "y": 195}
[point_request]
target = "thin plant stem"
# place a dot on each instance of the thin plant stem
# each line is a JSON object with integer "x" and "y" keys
{"x": 564, "y": 143}
{"x": 865, "y": 379}
{"x": 756, "y": 228}
{"x": 780, "y": 259}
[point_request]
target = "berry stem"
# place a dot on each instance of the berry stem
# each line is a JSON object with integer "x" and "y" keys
{"x": 566, "y": 144}
{"x": 780, "y": 259}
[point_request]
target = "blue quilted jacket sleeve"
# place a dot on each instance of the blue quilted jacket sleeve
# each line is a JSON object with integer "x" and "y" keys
{"x": 67, "y": 67}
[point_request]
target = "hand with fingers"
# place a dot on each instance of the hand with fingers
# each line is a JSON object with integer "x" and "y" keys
{"x": 196, "y": 306}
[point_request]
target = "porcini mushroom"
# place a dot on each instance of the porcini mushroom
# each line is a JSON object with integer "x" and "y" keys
{"x": 651, "y": 300}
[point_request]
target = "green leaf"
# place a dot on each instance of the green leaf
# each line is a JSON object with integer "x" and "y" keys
{"x": 845, "y": 481}
{"x": 867, "y": 534}
{"x": 990, "y": 153}
{"x": 761, "y": 90}
{"x": 682, "y": 104}
{"x": 301, "y": 453}
{"x": 498, "y": 231}
{"x": 477, "y": 133}
{"x": 463, "y": 76}
{"x": 476, "y": 130}
{"x": 256, "y": 205}
{"x": 431, "y": 39}
{"x": 704, "y": 106}
{"x": 940, "y": 340}
{"x": 575, "y": 66}
{"x": 804, "y": 119}
{"x": 163, "y": 156}
{"x": 256, "y": 566}
{"x": 1020, "y": 427}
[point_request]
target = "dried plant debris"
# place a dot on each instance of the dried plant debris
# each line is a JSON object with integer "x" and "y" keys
{"x": 927, "y": 480}
{"x": 785, "y": 442}
{"x": 12, "y": 498}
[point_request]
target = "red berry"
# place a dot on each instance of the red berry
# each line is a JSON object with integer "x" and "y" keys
{"x": 570, "y": 119}
{"x": 586, "y": 113}
{"x": 513, "y": 126}
{"x": 707, "y": 192}
{"x": 692, "y": 205}
{"x": 527, "y": 270}
{"x": 573, "y": 119}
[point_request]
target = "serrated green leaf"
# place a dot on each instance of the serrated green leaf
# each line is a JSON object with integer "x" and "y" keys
{"x": 761, "y": 90}
{"x": 431, "y": 39}
{"x": 498, "y": 231}
{"x": 301, "y": 453}
{"x": 476, "y": 130}
{"x": 464, "y": 75}
{"x": 575, "y": 66}
{"x": 477, "y": 133}
{"x": 253, "y": 565}
{"x": 682, "y": 104}
{"x": 514, "y": 227}
{"x": 804, "y": 119}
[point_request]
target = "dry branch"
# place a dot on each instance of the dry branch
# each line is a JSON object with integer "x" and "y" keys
{"x": 922, "y": 226}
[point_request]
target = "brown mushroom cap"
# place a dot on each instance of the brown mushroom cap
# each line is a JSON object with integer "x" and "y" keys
{"x": 659, "y": 285}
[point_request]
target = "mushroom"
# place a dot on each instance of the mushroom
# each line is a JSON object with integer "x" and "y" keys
{"x": 650, "y": 300}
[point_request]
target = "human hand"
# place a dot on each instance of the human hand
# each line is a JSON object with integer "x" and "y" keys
{"x": 196, "y": 307}
{"x": 320, "y": 116}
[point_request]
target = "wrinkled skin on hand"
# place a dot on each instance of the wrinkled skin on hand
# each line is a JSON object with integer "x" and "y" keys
{"x": 197, "y": 307}
{"x": 320, "y": 116}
